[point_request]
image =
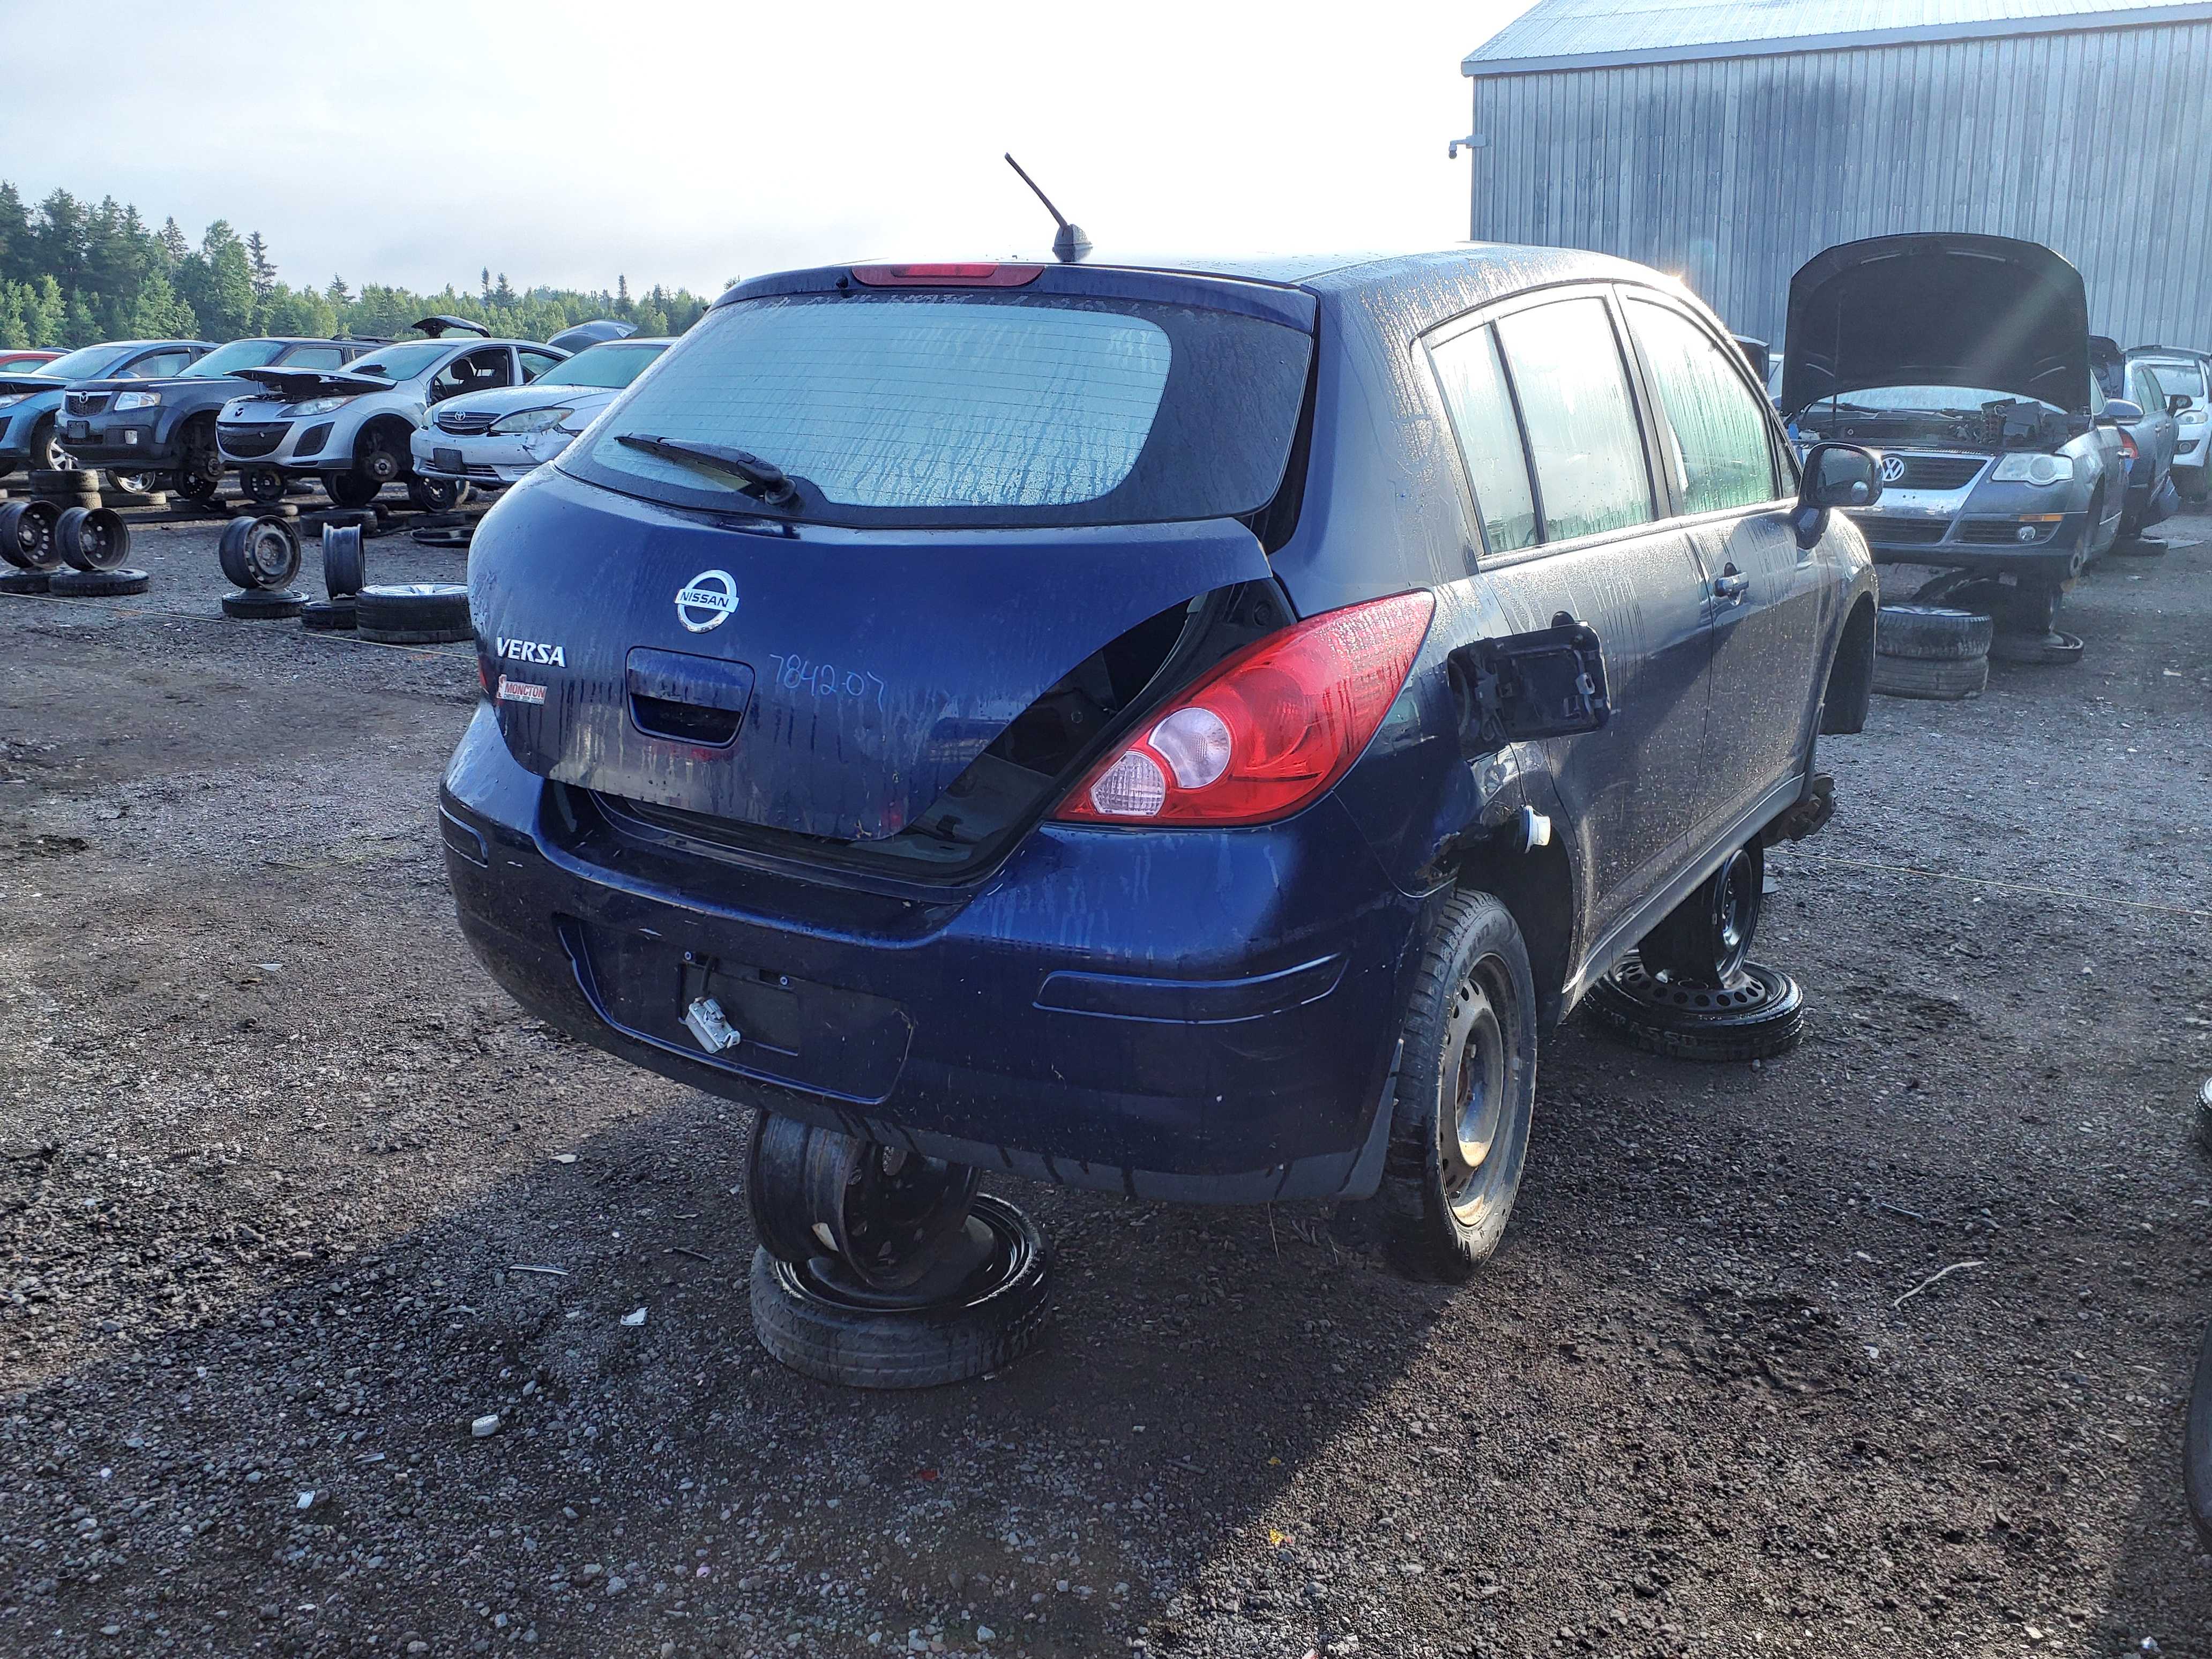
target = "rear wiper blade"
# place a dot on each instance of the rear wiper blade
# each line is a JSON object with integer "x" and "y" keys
{"x": 764, "y": 478}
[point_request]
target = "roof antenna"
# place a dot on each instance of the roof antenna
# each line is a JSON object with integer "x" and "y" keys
{"x": 1069, "y": 244}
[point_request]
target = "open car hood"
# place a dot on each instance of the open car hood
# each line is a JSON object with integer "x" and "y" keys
{"x": 30, "y": 383}
{"x": 296, "y": 385}
{"x": 1944, "y": 308}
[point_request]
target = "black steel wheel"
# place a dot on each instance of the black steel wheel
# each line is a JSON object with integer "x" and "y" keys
{"x": 1466, "y": 1093}
{"x": 92, "y": 538}
{"x": 437, "y": 494}
{"x": 885, "y": 1212}
{"x": 1757, "y": 1016}
{"x": 264, "y": 485}
{"x": 259, "y": 553}
{"x": 983, "y": 1309}
{"x": 352, "y": 488}
{"x": 1705, "y": 939}
{"x": 344, "y": 571}
{"x": 199, "y": 473}
{"x": 27, "y": 535}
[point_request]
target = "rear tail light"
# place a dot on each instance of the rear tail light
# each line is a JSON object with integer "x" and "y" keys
{"x": 1268, "y": 729}
{"x": 2127, "y": 451}
{"x": 954, "y": 276}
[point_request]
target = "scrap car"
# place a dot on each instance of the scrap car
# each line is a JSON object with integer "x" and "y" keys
{"x": 31, "y": 401}
{"x": 166, "y": 428}
{"x": 353, "y": 428}
{"x": 2183, "y": 383}
{"x": 489, "y": 440}
{"x": 1964, "y": 361}
{"x": 1179, "y": 730}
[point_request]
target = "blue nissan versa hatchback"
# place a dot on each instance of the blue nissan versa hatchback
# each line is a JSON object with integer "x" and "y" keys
{"x": 1180, "y": 730}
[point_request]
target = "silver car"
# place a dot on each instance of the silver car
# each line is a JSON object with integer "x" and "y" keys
{"x": 493, "y": 439}
{"x": 353, "y": 428}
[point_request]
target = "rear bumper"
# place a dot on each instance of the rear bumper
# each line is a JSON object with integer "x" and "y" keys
{"x": 1205, "y": 1016}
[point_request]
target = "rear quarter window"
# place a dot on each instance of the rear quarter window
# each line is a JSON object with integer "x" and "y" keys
{"x": 951, "y": 408}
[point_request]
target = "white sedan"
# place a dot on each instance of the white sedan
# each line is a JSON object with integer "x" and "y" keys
{"x": 492, "y": 438}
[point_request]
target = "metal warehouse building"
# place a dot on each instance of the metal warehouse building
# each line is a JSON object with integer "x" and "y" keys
{"x": 1730, "y": 143}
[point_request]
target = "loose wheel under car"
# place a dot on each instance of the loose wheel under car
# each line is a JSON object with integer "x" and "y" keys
{"x": 438, "y": 495}
{"x": 264, "y": 485}
{"x": 881, "y": 1268}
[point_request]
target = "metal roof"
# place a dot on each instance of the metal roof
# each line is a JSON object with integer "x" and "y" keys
{"x": 1575, "y": 34}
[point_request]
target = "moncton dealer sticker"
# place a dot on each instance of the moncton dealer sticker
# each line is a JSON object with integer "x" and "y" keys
{"x": 520, "y": 691}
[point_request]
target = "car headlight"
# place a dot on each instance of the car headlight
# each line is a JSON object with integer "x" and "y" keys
{"x": 2193, "y": 417}
{"x": 9, "y": 400}
{"x": 320, "y": 405}
{"x": 2033, "y": 469}
{"x": 130, "y": 400}
{"x": 527, "y": 420}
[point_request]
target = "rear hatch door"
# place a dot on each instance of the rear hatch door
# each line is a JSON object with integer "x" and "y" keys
{"x": 994, "y": 489}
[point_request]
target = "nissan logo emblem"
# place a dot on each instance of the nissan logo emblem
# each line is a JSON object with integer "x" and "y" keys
{"x": 1893, "y": 468}
{"x": 707, "y": 601}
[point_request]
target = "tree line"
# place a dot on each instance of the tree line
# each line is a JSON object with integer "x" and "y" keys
{"x": 73, "y": 275}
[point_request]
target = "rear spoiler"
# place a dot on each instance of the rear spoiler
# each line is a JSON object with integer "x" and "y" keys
{"x": 298, "y": 385}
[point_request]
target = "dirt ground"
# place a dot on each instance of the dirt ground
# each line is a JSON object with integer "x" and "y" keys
{"x": 273, "y": 1150}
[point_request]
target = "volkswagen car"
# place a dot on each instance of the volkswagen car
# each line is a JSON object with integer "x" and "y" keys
{"x": 1964, "y": 361}
{"x": 1182, "y": 729}
{"x": 493, "y": 439}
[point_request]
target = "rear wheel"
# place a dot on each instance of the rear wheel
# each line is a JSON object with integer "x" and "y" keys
{"x": 264, "y": 485}
{"x": 199, "y": 472}
{"x": 46, "y": 452}
{"x": 1465, "y": 1092}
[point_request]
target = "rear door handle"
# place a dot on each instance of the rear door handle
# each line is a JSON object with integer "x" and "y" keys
{"x": 1731, "y": 586}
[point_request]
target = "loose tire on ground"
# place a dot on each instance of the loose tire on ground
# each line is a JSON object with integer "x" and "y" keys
{"x": 64, "y": 480}
{"x": 259, "y": 604}
{"x": 344, "y": 571}
{"x": 27, "y": 535}
{"x": 826, "y": 1329}
{"x": 92, "y": 538}
{"x": 1465, "y": 1092}
{"x": 21, "y": 582}
{"x": 1932, "y": 680}
{"x": 2052, "y": 648}
{"x": 97, "y": 584}
{"x": 1759, "y": 1016}
{"x": 259, "y": 552}
{"x": 414, "y": 613}
{"x": 264, "y": 485}
{"x": 1931, "y": 633}
{"x": 437, "y": 494}
{"x": 329, "y": 615}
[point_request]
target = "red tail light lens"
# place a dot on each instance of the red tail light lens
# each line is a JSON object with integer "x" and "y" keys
{"x": 960, "y": 275}
{"x": 2127, "y": 451}
{"x": 1269, "y": 730}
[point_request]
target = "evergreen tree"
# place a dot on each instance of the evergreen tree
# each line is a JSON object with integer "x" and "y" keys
{"x": 503, "y": 295}
{"x": 16, "y": 261}
{"x": 12, "y": 331}
{"x": 335, "y": 294}
{"x": 262, "y": 267}
{"x": 174, "y": 246}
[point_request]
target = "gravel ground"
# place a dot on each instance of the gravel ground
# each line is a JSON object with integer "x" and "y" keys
{"x": 274, "y": 1154}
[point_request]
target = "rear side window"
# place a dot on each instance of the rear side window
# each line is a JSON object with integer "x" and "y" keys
{"x": 1489, "y": 433}
{"x": 1584, "y": 439}
{"x": 952, "y": 409}
{"x": 1722, "y": 455}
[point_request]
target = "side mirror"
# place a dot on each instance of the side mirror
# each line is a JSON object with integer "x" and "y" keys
{"x": 2176, "y": 402}
{"x": 2118, "y": 411}
{"x": 1835, "y": 475}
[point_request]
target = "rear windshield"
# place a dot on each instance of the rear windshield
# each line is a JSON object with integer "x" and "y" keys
{"x": 603, "y": 366}
{"x": 2185, "y": 379}
{"x": 976, "y": 410}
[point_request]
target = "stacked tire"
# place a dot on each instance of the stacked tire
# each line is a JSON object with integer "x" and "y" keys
{"x": 1931, "y": 652}
{"x": 66, "y": 487}
{"x": 413, "y": 613}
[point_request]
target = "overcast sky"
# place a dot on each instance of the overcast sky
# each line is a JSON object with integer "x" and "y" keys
{"x": 691, "y": 143}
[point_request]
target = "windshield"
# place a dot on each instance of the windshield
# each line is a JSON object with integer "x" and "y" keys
{"x": 1921, "y": 398}
{"x": 603, "y": 366}
{"x": 85, "y": 363}
{"x": 962, "y": 408}
{"x": 227, "y": 359}
{"x": 2169, "y": 379}
{"x": 403, "y": 363}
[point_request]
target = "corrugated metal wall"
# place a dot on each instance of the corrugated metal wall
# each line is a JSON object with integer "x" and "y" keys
{"x": 1733, "y": 173}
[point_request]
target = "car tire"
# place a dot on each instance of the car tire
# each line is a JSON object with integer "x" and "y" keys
{"x": 445, "y": 535}
{"x": 822, "y": 1326}
{"x": 351, "y": 489}
{"x": 1931, "y": 633}
{"x": 260, "y": 552}
{"x": 1933, "y": 681}
{"x": 97, "y": 584}
{"x": 414, "y": 613}
{"x": 344, "y": 571}
{"x": 1464, "y": 1095}
{"x": 261, "y": 605}
{"x": 47, "y": 456}
{"x": 2051, "y": 649}
{"x": 27, "y": 535}
{"x": 264, "y": 485}
{"x": 437, "y": 494}
{"x": 1757, "y": 1018}
{"x": 199, "y": 478}
{"x": 20, "y": 583}
{"x": 92, "y": 538}
{"x": 1705, "y": 939}
{"x": 330, "y": 616}
{"x": 133, "y": 484}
